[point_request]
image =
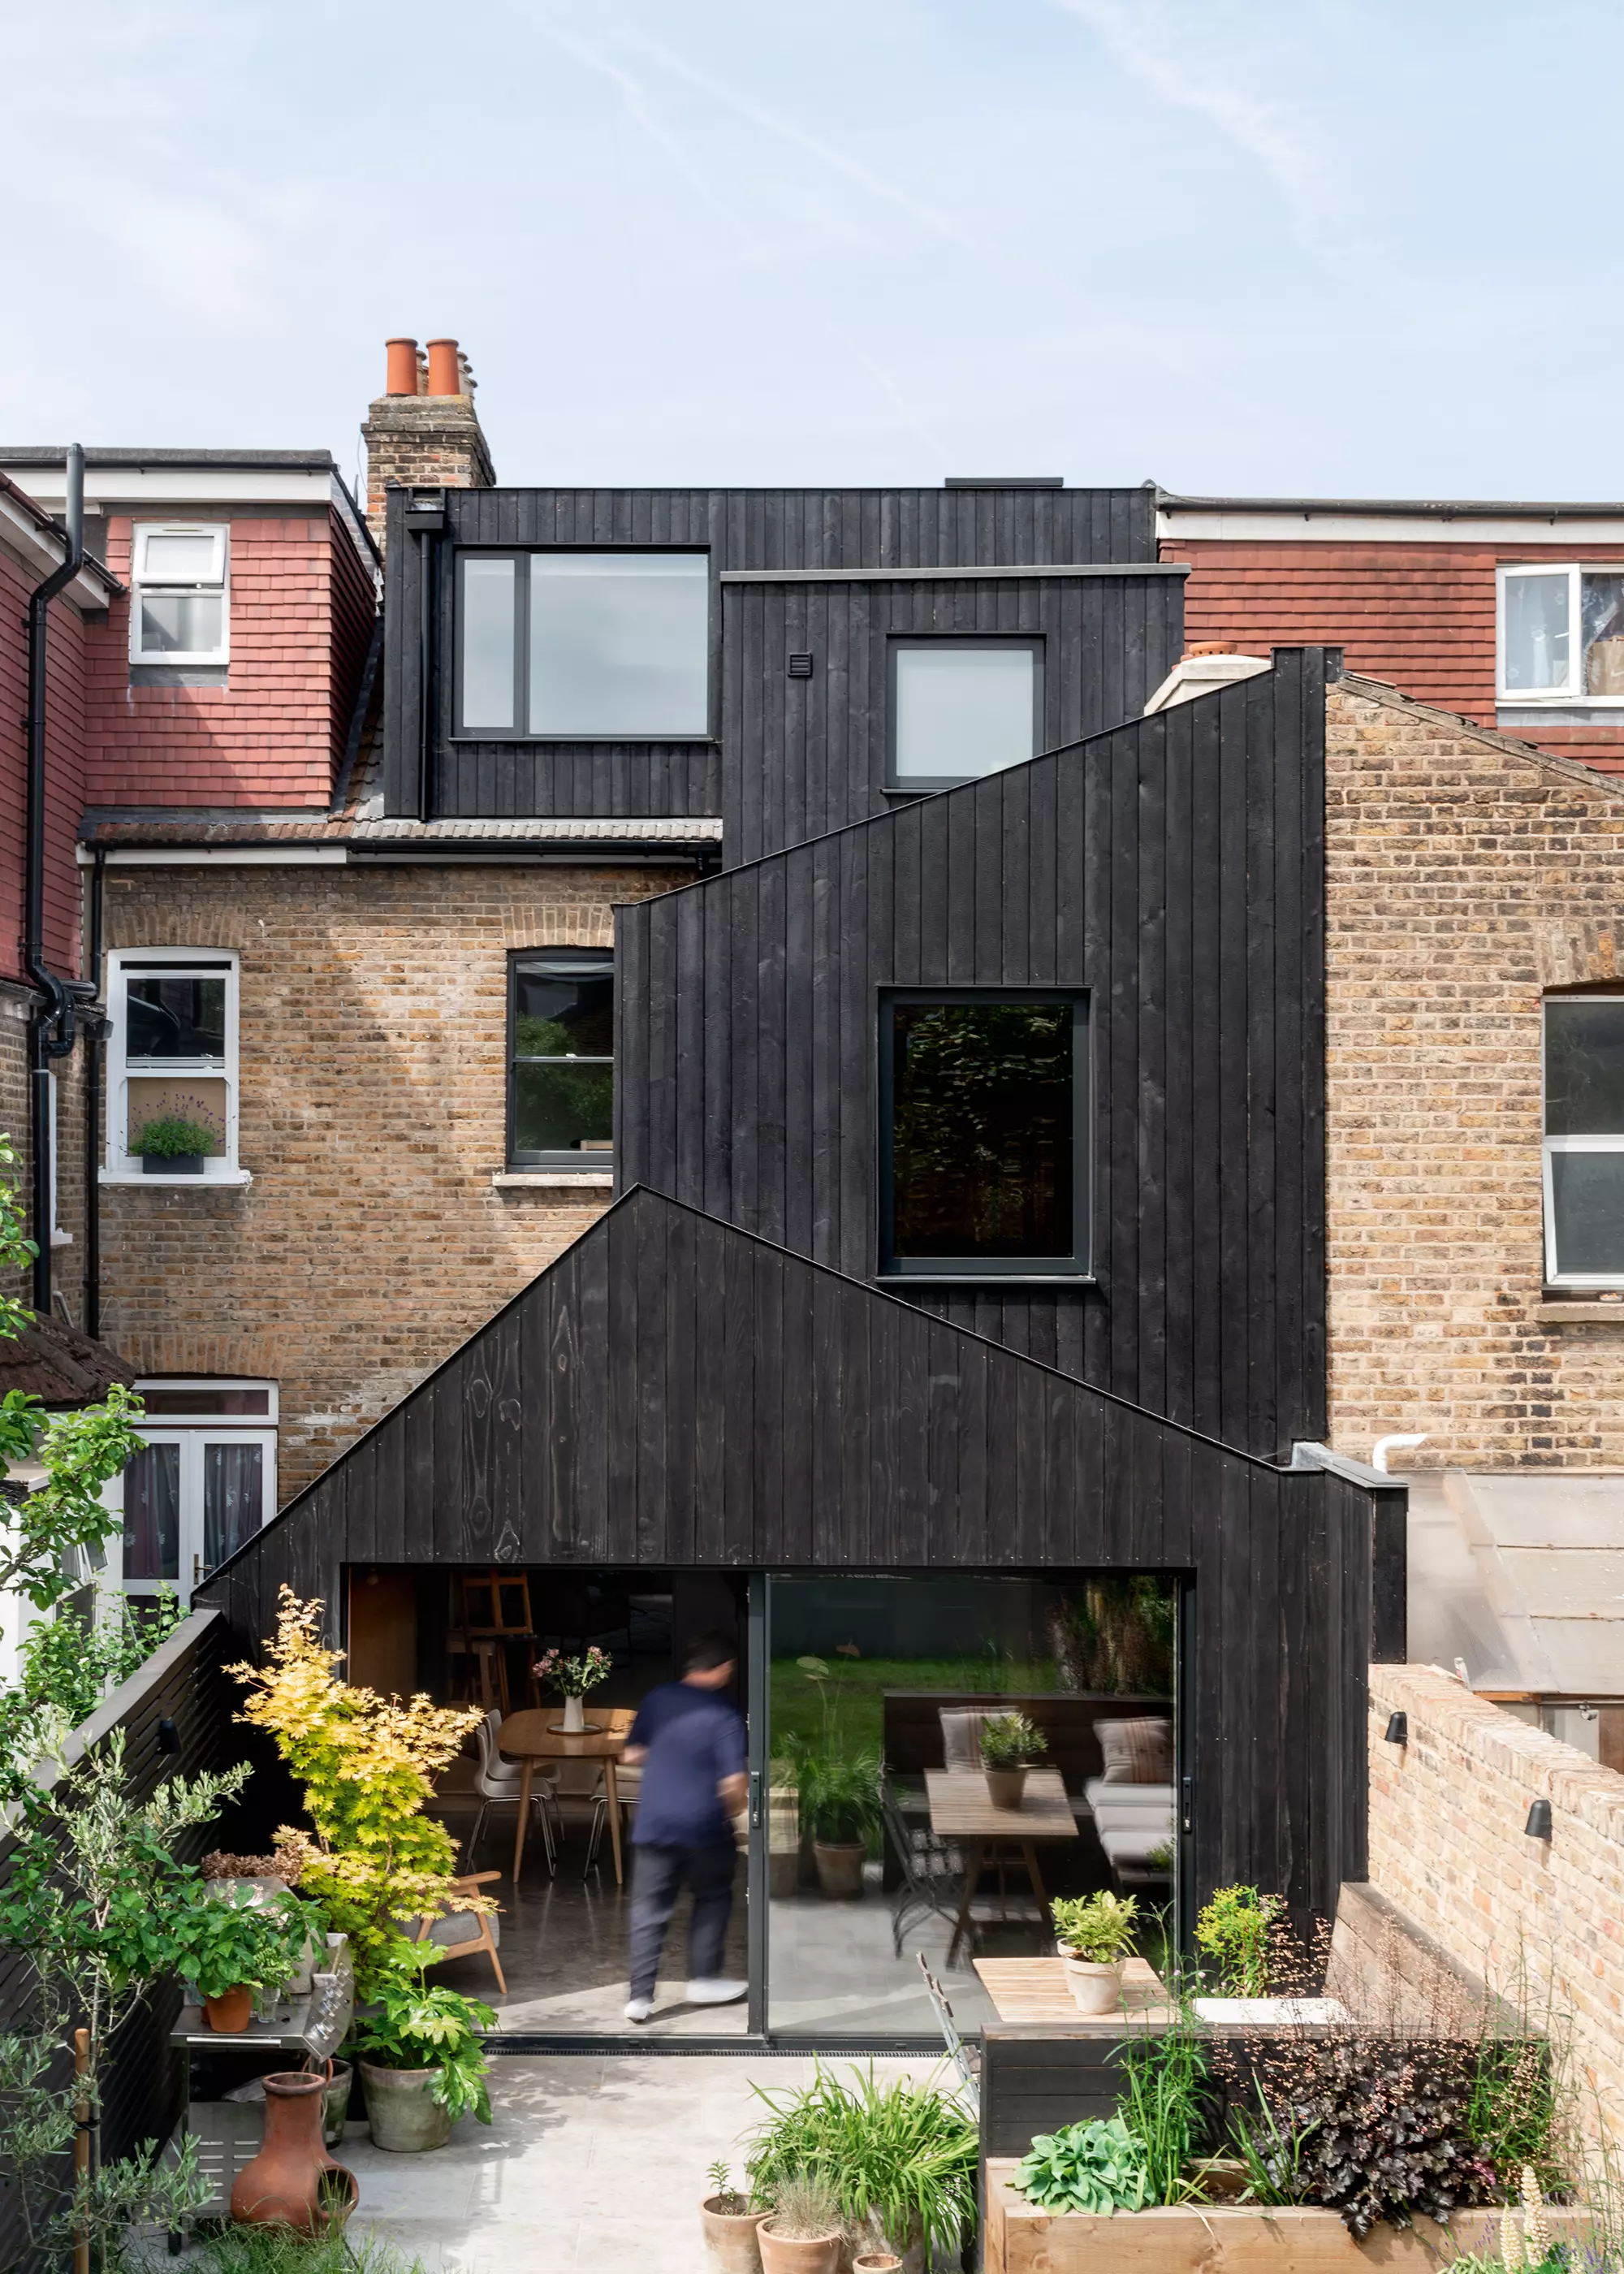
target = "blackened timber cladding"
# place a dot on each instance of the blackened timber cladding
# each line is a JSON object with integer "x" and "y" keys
{"x": 1173, "y": 868}
{"x": 673, "y": 1391}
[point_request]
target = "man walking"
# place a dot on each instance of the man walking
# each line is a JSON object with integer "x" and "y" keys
{"x": 690, "y": 1742}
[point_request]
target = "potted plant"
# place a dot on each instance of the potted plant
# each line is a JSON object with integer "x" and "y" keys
{"x": 803, "y": 2233}
{"x": 840, "y": 1806}
{"x": 729, "y": 2223}
{"x": 173, "y": 1145}
{"x": 230, "y": 1944}
{"x": 1096, "y": 1934}
{"x": 571, "y": 1676}
{"x": 1010, "y": 1744}
{"x": 423, "y": 2061}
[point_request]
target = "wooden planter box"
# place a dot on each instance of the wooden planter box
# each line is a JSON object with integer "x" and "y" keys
{"x": 1219, "y": 2239}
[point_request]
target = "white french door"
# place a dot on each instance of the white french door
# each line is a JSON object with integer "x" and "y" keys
{"x": 191, "y": 1496}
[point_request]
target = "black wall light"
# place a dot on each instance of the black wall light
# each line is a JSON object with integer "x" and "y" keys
{"x": 1398, "y": 1730}
{"x": 168, "y": 1736}
{"x": 1539, "y": 1825}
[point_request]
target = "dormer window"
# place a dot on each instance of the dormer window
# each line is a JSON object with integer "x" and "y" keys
{"x": 180, "y": 611}
{"x": 1561, "y": 635}
{"x": 582, "y": 646}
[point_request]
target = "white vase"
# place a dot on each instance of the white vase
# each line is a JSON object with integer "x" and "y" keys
{"x": 1095, "y": 1989}
{"x": 575, "y": 1713}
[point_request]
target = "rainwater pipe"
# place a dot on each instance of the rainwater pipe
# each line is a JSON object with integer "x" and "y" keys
{"x": 1386, "y": 1445}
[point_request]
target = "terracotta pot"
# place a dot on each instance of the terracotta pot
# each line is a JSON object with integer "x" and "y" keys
{"x": 400, "y": 2110}
{"x": 819, "y": 2255}
{"x": 231, "y": 2012}
{"x": 1005, "y": 1788}
{"x": 730, "y": 2237}
{"x": 1094, "y": 1989}
{"x": 877, "y": 2261}
{"x": 293, "y": 2181}
{"x": 839, "y": 1866}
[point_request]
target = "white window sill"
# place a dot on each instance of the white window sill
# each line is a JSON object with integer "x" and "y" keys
{"x": 232, "y": 1178}
{"x": 60, "y": 1238}
{"x": 1579, "y": 1311}
{"x": 554, "y": 1181}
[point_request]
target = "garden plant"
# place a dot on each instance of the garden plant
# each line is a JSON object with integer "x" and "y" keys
{"x": 900, "y": 2158}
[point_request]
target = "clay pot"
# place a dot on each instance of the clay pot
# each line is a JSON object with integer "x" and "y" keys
{"x": 231, "y": 2012}
{"x": 1094, "y": 1989}
{"x": 877, "y": 2261}
{"x": 1005, "y": 1788}
{"x": 400, "y": 2110}
{"x": 820, "y": 2254}
{"x": 839, "y": 1866}
{"x": 293, "y": 2181}
{"x": 730, "y": 2237}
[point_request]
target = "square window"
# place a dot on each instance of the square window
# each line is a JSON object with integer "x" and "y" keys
{"x": 961, "y": 708}
{"x": 1584, "y": 1140}
{"x": 560, "y": 1109}
{"x": 983, "y": 1103}
{"x": 1561, "y": 635}
{"x": 180, "y": 611}
{"x": 172, "y": 1065}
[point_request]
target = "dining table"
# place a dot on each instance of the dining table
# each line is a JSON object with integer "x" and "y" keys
{"x": 536, "y": 1733}
{"x": 962, "y": 1809}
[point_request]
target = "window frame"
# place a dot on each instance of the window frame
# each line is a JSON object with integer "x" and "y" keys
{"x": 520, "y": 555}
{"x": 1549, "y": 697}
{"x": 120, "y": 1165}
{"x": 588, "y": 962}
{"x": 180, "y": 659}
{"x": 1072, "y": 1270}
{"x": 925, "y": 784}
{"x": 1550, "y": 1146}
{"x": 192, "y": 1435}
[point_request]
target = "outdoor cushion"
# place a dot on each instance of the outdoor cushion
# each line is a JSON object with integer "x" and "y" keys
{"x": 962, "y": 1737}
{"x": 1151, "y": 1799}
{"x": 1139, "y": 1752}
{"x": 456, "y": 1927}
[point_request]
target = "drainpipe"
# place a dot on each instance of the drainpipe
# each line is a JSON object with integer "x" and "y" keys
{"x": 50, "y": 1025}
{"x": 95, "y": 1037}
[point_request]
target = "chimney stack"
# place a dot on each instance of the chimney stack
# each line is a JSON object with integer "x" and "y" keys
{"x": 423, "y": 432}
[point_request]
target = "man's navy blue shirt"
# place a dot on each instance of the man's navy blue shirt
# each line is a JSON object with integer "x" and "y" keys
{"x": 693, "y": 1739}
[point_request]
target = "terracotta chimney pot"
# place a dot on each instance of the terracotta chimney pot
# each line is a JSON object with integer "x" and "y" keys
{"x": 1212, "y": 647}
{"x": 402, "y": 378}
{"x": 444, "y": 376}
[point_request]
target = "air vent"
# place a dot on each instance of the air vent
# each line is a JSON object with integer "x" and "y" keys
{"x": 801, "y": 666}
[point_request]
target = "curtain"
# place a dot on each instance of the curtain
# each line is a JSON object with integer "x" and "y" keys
{"x": 152, "y": 1514}
{"x": 233, "y": 1491}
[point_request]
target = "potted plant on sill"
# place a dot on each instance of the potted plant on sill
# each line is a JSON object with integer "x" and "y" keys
{"x": 228, "y": 1945}
{"x": 1010, "y": 1745}
{"x": 423, "y": 2061}
{"x": 571, "y": 1678}
{"x": 728, "y": 2223}
{"x": 173, "y": 1145}
{"x": 840, "y": 1806}
{"x": 1096, "y": 1935}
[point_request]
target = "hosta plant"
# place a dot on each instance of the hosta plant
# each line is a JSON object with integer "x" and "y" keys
{"x": 1098, "y": 2167}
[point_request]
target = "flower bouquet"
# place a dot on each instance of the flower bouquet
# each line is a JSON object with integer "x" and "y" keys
{"x": 570, "y": 1677}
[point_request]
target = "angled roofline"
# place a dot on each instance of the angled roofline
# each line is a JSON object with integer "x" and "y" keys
{"x": 1451, "y": 723}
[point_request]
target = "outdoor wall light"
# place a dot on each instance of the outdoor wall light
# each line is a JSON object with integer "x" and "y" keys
{"x": 168, "y": 1736}
{"x": 1539, "y": 1825}
{"x": 1398, "y": 1730}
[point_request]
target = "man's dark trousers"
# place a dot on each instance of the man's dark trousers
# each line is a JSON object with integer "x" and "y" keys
{"x": 657, "y": 1874}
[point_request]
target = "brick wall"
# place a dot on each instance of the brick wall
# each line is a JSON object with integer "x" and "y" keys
{"x": 371, "y": 1241}
{"x": 301, "y": 617}
{"x": 1465, "y": 876}
{"x": 1447, "y": 1846}
{"x": 430, "y": 441}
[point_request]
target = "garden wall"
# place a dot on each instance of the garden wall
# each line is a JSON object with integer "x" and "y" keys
{"x": 1447, "y": 1846}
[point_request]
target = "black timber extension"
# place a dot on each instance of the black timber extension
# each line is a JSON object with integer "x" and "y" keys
{"x": 673, "y": 1391}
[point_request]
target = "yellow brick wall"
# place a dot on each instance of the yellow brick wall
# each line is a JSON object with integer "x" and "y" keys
{"x": 1464, "y": 879}
{"x": 371, "y": 1241}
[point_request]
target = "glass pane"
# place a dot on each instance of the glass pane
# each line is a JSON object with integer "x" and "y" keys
{"x": 559, "y": 1108}
{"x": 619, "y": 643}
{"x": 556, "y": 1015}
{"x": 488, "y": 634}
{"x": 1584, "y": 1067}
{"x": 1602, "y": 606}
{"x": 981, "y": 1129}
{"x": 878, "y": 1690}
{"x": 205, "y": 1401}
{"x": 963, "y": 711}
{"x": 152, "y": 1514}
{"x": 181, "y": 623}
{"x": 1537, "y": 632}
{"x": 233, "y": 1499}
{"x": 178, "y": 1018}
{"x": 180, "y": 559}
{"x": 1587, "y": 1190}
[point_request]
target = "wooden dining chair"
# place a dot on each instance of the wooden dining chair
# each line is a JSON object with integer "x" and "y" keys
{"x": 458, "y": 1933}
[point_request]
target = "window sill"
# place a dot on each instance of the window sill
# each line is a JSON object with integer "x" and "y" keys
{"x": 232, "y": 1180}
{"x": 555, "y": 1180}
{"x": 984, "y": 1279}
{"x": 1578, "y": 1311}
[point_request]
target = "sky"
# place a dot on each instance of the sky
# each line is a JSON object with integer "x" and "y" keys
{"x": 1282, "y": 247}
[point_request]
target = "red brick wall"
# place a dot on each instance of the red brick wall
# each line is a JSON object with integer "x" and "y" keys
{"x": 301, "y": 614}
{"x": 1420, "y": 615}
{"x": 64, "y": 764}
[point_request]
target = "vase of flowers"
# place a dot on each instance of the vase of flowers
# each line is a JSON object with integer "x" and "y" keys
{"x": 570, "y": 1677}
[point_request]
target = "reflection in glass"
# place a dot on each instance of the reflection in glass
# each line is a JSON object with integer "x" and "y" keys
{"x": 487, "y": 636}
{"x": 185, "y": 557}
{"x": 982, "y": 1123}
{"x": 619, "y": 643}
{"x": 560, "y": 1109}
{"x": 152, "y": 1514}
{"x": 233, "y": 1499}
{"x": 1587, "y": 1198}
{"x": 175, "y": 1018}
{"x": 181, "y": 623}
{"x": 1536, "y": 632}
{"x": 1584, "y": 1066}
{"x": 1602, "y": 609}
{"x": 563, "y": 1041}
{"x": 963, "y": 711}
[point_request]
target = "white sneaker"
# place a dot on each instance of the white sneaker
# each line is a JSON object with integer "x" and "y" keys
{"x": 639, "y": 2009}
{"x": 717, "y": 1992}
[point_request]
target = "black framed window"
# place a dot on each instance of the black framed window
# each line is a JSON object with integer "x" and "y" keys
{"x": 582, "y": 646}
{"x": 961, "y": 706}
{"x": 560, "y": 1077}
{"x": 983, "y": 1120}
{"x": 1584, "y": 1140}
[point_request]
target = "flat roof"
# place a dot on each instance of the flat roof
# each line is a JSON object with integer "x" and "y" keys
{"x": 55, "y": 454}
{"x": 1418, "y": 508}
